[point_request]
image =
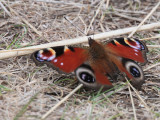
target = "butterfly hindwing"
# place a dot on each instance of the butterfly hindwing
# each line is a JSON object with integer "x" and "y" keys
{"x": 91, "y": 77}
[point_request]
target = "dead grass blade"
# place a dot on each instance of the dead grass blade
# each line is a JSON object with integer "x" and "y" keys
{"x": 97, "y": 11}
{"x": 120, "y": 113}
{"x": 5, "y": 9}
{"x": 153, "y": 46}
{"x": 154, "y": 37}
{"x": 24, "y": 20}
{"x": 10, "y": 74}
{"x": 133, "y": 106}
{"x": 152, "y": 11}
{"x": 127, "y": 17}
{"x": 24, "y": 108}
{"x": 152, "y": 66}
{"x": 140, "y": 98}
{"x": 60, "y": 102}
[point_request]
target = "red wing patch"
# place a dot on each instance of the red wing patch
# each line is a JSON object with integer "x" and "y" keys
{"x": 70, "y": 60}
{"x": 101, "y": 78}
{"x": 66, "y": 59}
{"x": 130, "y": 49}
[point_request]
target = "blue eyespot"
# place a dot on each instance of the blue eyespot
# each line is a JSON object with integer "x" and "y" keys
{"x": 86, "y": 77}
{"x": 134, "y": 71}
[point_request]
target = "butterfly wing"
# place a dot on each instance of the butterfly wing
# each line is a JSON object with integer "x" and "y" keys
{"x": 69, "y": 59}
{"x": 128, "y": 48}
{"x": 124, "y": 53}
{"x": 66, "y": 59}
{"x": 91, "y": 77}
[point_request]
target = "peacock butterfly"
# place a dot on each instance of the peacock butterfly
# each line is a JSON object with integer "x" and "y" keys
{"x": 99, "y": 64}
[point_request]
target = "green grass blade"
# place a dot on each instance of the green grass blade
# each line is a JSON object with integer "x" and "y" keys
{"x": 24, "y": 108}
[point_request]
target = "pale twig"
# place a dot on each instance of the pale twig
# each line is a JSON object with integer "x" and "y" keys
{"x": 127, "y": 17}
{"x": 154, "y": 37}
{"x": 11, "y": 74}
{"x": 140, "y": 98}
{"x": 102, "y": 17}
{"x": 5, "y": 9}
{"x": 131, "y": 12}
{"x": 24, "y": 20}
{"x": 60, "y": 102}
{"x": 107, "y": 3}
{"x": 144, "y": 20}
{"x": 112, "y": 105}
{"x": 85, "y": 26}
{"x": 62, "y": 2}
{"x": 23, "y": 51}
{"x": 153, "y": 46}
{"x": 97, "y": 11}
{"x": 152, "y": 66}
{"x": 134, "y": 111}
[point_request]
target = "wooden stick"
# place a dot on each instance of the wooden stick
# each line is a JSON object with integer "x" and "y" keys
{"x": 23, "y": 51}
{"x": 60, "y": 102}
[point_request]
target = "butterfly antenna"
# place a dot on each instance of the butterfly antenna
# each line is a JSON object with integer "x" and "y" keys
{"x": 75, "y": 26}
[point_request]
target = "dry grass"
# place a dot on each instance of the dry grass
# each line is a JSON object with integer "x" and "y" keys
{"x": 28, "y": 91}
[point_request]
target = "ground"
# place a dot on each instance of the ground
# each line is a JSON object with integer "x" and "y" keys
{"x": 28, "y": 91}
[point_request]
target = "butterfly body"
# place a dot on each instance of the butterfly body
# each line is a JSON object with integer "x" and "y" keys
{"x": 98, "y": 65}
{"x": 100, "y": 59}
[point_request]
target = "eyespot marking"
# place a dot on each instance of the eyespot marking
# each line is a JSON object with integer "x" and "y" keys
{"x": 132, "y": 43}
{"x": 134, "y": 69}
{"x": 45, "y": 55}
{"x": 87, "y": 77}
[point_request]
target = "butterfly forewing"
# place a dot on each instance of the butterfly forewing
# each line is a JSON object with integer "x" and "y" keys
{"x": 66, "y": 59}
{"x": 128, "y": 48}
